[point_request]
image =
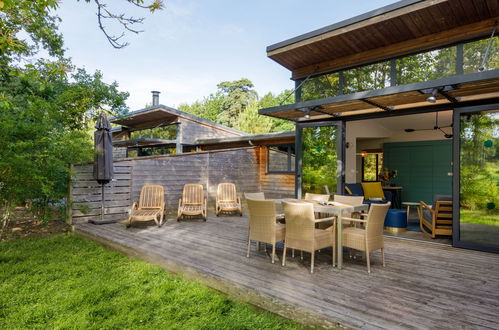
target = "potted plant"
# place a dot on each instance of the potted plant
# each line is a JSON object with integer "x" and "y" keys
{"x": 386, "y": 175}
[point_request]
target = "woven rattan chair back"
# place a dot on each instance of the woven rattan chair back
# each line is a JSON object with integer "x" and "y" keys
{"x": 376, "y": 220}
{"x": 193, "y": 194}
{"x": 317, "y": 197}
{"x": 300, "y": 225}
{"x": 262, "y": 223}
{"x": 350, "y": 200}
{"x": 256, "y": 195}
{"x": 226, "y": 192}
{"x": 151, "y": 197}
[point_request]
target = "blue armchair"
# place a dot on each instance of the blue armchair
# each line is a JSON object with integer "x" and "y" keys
{"x": 355, "y": 189}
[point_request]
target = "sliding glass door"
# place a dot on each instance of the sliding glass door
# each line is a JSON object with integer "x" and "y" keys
{"x": 320, "y": 149}
{"x": 476, "y": 178}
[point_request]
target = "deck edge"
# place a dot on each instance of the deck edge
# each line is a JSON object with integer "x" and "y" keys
{"x": 233, "y": 291}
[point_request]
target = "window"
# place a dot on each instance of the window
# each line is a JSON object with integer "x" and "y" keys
{"x": 372, "y": 163}
{"x": 281, "y": 159}
{"x": 168, "y": 132}
{"x": 149, "y": 151}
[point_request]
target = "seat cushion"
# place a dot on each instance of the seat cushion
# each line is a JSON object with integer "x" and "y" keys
{"x": 354, "y": 189}
{"x": 427, "y": 215}
{"x": 373, "y": 190}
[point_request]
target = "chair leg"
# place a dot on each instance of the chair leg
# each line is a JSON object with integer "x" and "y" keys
{"x": 333, "y": 250}
{"x": 368, "y": 263}
{"x": 383, "y": 256}
{"x": 273, "y": 253}
{"x": 292, "y": 253}
{"x": 284, "y": 255}
{"x": 312, "y": 263}
{"x": 248, "y": 250}
{"x": 258, "y": 246}
{"x": 301, "y": 254}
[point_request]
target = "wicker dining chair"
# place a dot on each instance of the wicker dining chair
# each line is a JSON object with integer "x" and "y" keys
{"x": 317, "y": 197}
{"x": 255, "y": 195}
{"x": 193, "y": 201}
{"x": 370, "y": 238}
{"x": 301, "y": 233}
{"x": 151, "y": 206}
{"x": 350, "y": 200}
{"x": 227, "y": 199}
{"x": 262, "y": 226}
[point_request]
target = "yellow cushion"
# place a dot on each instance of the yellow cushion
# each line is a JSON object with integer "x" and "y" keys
{"x": 372, "y": 190}
{"x": 348, "y": 190}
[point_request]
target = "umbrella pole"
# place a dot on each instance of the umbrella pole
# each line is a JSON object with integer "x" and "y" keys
{"x": 102, "y": 204}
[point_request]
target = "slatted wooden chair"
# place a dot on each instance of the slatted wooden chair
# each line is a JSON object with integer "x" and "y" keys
{"x": 151, "y": 206}
{"x": 193, "y": 201}
{"x": 437, "y": 219}
{"x": 227, "y": 199}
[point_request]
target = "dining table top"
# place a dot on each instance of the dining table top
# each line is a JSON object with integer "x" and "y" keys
{"x": 331, "y": 207}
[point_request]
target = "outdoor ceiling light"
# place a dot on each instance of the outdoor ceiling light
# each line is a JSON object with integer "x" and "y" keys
{"x": 307, "y": 116}
{"x": 433, "y": 97}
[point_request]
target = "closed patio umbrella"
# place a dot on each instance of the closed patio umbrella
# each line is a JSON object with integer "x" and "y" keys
{"x": 103, "y": 158}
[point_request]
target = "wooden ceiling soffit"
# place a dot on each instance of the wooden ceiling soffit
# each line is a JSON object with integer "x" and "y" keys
{"x": 428, "y": 42}
{"x": 479, "y": 85}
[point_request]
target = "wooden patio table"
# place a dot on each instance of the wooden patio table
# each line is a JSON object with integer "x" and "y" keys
{"x": 338, "y": 210}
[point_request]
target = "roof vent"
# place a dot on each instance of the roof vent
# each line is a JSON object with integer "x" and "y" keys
{"x": 155, "y": 98}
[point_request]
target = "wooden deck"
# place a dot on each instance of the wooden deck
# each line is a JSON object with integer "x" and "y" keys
{"x": 423, "y": 285}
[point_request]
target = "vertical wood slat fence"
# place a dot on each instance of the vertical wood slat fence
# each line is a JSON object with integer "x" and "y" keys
{"x": 242, "y": 166}
{"x": 86, "y": 194}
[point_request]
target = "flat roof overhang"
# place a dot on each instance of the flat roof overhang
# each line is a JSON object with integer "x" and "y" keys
{"x": 456, "y": 91}
{"x": 142, "y": 142}
{"x": 146, "y": 119}
{"x": 399, "y": 29}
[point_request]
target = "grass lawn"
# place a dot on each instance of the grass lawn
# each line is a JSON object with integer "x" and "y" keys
{"x": 479, "y": 216}
{"x": 64, "y": 281}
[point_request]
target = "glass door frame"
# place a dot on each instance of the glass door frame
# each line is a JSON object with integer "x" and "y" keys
{"x": 456, "y": 163}
{"x": 340, "y": 153}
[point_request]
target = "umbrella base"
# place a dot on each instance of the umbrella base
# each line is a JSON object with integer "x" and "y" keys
{"x": 101, "y": 222}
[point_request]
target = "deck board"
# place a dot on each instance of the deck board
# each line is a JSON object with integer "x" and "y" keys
{"x": 422, "y": 286}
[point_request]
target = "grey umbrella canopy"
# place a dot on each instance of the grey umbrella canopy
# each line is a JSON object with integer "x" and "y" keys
{"x": 103, "y": 157}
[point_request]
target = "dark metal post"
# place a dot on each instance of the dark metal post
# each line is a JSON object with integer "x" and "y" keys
{"x": 393, "y": 72}
{"x": 459, "y": 59}
{"x": 298, "y": 90}
{"x": 340, "y": 152}
{"x": 341, "y": 83}
{"x": 298, "y": 160}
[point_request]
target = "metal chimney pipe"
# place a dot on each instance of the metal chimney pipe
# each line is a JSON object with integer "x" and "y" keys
{"x": 155, "y": 98}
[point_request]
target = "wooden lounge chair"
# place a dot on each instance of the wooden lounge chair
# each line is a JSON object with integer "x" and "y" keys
{"x": 262, "y": 226}
{"x": 370, "y": 238}
{"x": 301, "y": 233}
{"x": 227, "y": 200}
{"x": 436, "y": 220}
{"x": 151, "y": 206}
{"x": 193, "y": 201}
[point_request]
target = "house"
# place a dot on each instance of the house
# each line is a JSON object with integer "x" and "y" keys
{"x": 414, "y": 87}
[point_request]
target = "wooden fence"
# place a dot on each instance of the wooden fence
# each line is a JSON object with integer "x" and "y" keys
{"x": 86, "y": 194}
{"x": 240, "y": 166}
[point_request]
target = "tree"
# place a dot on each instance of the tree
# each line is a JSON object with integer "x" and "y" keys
{"x": 46, "y": 107}
{"x": 237, "y": 95}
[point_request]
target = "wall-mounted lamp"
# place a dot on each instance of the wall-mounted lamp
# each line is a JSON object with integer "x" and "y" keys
{"x": 433, "y": 97}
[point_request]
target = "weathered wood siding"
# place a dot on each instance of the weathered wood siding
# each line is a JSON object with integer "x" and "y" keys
{"x": 86, "y": 193}
{"x": 274, "y": 185}
{"x": 119, "y": 152}
{"x": 190, "y": 131}
{"x": 245, "y": 167}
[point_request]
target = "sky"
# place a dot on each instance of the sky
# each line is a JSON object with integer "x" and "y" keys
{"x": 190, "y": 46}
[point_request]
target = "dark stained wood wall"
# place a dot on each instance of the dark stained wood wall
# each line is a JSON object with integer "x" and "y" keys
{"x": 246, "y": 167}
{"x": 191, "y": 131}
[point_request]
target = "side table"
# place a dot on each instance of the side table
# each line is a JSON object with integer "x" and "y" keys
{"x": 408, "y": 205}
